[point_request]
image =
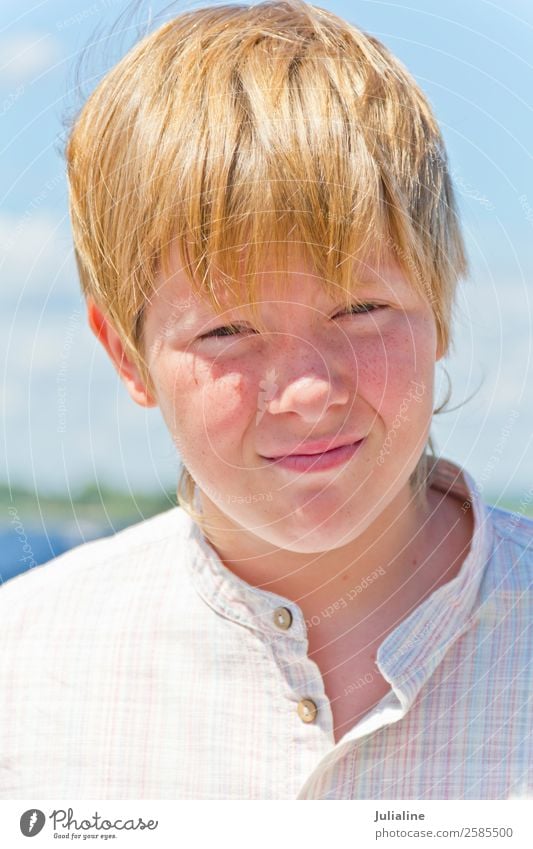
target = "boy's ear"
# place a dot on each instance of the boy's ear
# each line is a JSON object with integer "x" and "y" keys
{"x": 128, "y": 371}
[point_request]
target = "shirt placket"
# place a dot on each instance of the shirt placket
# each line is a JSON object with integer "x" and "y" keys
{"x": 308, "y": 712}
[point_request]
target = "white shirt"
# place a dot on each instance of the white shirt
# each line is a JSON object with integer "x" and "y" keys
{"x": 140, "y": 667}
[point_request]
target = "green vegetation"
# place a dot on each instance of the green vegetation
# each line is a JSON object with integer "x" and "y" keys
{"x": 99, "y": 504}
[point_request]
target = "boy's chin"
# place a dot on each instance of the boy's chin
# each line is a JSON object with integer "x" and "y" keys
{"x": 305, "y": 537}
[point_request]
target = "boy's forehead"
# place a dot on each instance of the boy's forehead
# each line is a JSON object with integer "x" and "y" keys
{"x": 298, "y": 279}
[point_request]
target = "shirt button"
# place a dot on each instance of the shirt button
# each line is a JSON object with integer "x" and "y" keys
{"x": 307, "y": 710}
{"x": 282, "y": 618}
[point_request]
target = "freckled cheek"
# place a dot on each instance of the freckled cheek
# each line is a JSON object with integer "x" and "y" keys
{"x": 391, "y": 372}
{"x": 229, "y": 402}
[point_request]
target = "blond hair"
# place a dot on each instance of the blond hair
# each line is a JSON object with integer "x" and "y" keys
{"x": 238, "y": 131}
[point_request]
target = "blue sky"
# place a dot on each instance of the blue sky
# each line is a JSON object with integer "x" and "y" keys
{"x": 68, "y": 420}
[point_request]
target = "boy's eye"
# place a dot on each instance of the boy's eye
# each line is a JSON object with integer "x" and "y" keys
{"x": 358, "y": 309}
{"x": 235, "y": 329}
{"x": 227, "y": 330}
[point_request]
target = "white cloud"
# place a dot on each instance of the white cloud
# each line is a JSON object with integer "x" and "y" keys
{"x": 67, "y": 417}
{"x": 26, "y": 55}
{"x": 36, "y": 257}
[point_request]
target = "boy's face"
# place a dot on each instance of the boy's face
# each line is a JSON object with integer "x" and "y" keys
{"x": 317, "y": 373}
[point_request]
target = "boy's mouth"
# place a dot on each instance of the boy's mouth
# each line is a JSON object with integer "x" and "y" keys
{"x": 320, "y": 461}
{"x": 322, "y": 446}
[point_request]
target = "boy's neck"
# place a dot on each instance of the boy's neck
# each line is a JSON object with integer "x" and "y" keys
{"x": 409, "y": 539}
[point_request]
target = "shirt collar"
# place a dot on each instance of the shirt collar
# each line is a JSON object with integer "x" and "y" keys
{"x": 411, "y": 652}
{"x": 233, "y": 597}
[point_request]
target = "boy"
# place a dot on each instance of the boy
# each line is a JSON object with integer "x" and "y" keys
{"x": 268, "y": 244}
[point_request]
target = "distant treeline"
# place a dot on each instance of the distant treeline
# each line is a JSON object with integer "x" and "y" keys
{"x": 93, "y": 502}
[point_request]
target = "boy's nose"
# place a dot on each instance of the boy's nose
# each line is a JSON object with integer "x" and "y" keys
{"x": 308, "y": 391}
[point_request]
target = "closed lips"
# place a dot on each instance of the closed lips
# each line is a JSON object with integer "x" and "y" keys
{"x": 305, "y": 451}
